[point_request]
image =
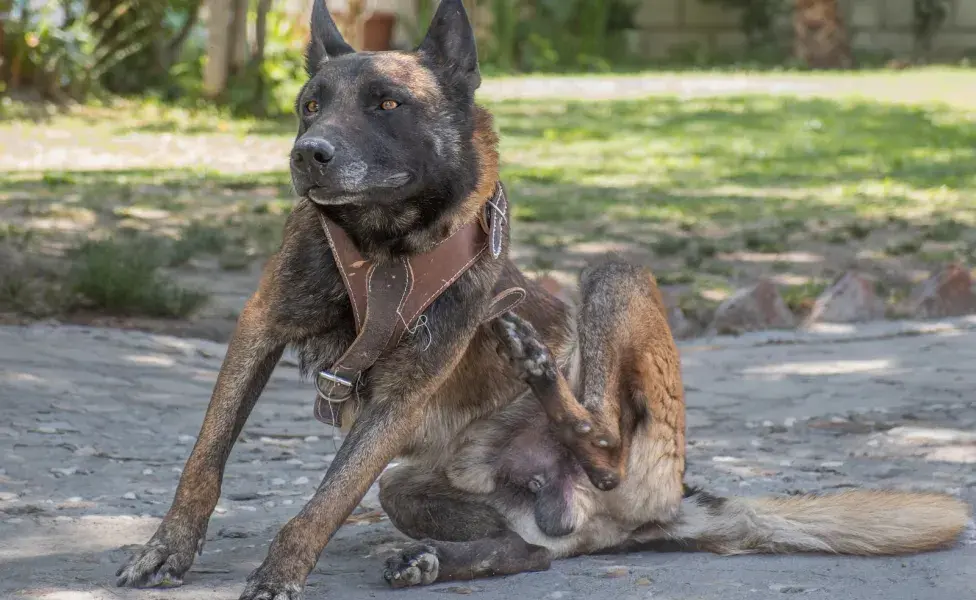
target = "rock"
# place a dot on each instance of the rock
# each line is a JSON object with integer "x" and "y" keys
{"x": 752, "y": 309}
{"x": 129, "y": 496}
{"x": 851, "y": 299}
{"x": 949, "y": 293}
{"x": 681, "y": 326}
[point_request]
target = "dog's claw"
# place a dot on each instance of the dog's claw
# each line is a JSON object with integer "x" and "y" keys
{"x": 154, "y": 566}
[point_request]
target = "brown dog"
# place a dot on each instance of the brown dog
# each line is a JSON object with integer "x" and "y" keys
{"x": 394, "y": 162}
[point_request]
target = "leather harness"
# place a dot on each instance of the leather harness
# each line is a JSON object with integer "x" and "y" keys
{"x": 389, "y": 299}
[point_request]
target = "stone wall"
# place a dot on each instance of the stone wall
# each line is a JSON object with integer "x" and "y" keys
{"x": 882, "y": 26}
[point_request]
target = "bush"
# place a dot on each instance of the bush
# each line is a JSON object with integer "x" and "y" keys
{"x": 121, "y": 277}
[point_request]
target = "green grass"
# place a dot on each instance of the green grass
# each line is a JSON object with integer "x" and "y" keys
{"x": 121, "y": 277}
{"x": 707, "y": 187}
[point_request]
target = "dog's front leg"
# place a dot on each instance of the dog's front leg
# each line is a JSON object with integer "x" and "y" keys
{"x": 380, "y": 432}
{"x": 397, "y": 398}
{"x": 251, "y": 357}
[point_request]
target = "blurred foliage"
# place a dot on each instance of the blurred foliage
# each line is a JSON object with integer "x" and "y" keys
{"x": 76, "y": 49}
{"x": 73, "y": 48}
{"x": 757, "y": 18}
{"x": 556, "y": 35}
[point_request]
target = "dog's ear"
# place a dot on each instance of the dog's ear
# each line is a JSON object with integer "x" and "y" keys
{"x": 326, "y": 41}
{"x": 450, "y": 44}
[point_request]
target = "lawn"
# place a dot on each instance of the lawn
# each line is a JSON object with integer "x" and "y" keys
{"x": 712, "y": 191}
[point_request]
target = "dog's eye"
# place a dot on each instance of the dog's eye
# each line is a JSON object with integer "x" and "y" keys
{"x": 389, "y": 104}
{"x": 311, "y": 107}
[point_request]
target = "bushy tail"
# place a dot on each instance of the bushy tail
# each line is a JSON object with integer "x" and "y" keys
{"x": 862, "y": 522}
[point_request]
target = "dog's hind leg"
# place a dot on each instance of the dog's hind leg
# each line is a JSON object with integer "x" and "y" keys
{"x": 590, "y": 441}
{"x": 463, "y": 537}
{"x": 423, "y": 504}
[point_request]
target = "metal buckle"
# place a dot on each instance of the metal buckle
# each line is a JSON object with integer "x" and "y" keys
{"x": 334, "y": 381}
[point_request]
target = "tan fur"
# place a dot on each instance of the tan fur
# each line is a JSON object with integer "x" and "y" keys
{"x": 406, "y": 70}
{"x": 858, "y": 522}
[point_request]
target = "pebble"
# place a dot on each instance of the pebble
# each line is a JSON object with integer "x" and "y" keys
{"x": 86, "y": 451}
{"x": 15, "y": 521}
{"x": 63, "y": 519}
{"x": 311, "y": 438}
{"x": 220, "y": 510}
{"x": 301, "y": 481}
{"x": 287, "y": 502}
{"x": 269, "y": 505}
{"x": 243, "y": 496}
{"x": 129, "y": 496}
{"x": 64, "y": 471}
{"x": 185, "y": 440}
{"x": 295, "y": 461}
{"x": 75, "y": 499}
{"x": 643, "y": 581}
{"x": 278, "y": 481}
{"x": 248, "y": 508}
{"x": 147, "y": 471}
{"x": 832, "y": 464}
{"x": 557, "y": 595}
{"x": 45, "y": 429}
{"x": 789, "y": 421}
{"x": 615, "y": 572}
{"x": 7, "y": 496}
{"x": 725, "y": 459}
{"x": 177, "y": 470}
{"x": 233, "y": 532}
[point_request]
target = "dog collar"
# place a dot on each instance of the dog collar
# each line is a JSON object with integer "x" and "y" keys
{"x": 389, "y": 299}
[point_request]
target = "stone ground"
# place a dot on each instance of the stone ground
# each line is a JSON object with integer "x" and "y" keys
{"x": 95, "y": 425}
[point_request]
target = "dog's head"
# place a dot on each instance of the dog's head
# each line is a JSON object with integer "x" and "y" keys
{"x": 390, "y": 135}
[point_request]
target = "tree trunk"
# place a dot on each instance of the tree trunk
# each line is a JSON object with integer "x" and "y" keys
{"x": 220, "y": 20}
{"x": 238, "y": 33}
{"x": 261, "y": 31}
{"x": 820, "y": 38}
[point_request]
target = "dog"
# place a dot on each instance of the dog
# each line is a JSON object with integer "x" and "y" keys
{"x": 526, "y": 430}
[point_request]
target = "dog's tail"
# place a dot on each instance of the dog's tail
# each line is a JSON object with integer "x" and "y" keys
{"x": 861, "y": 522}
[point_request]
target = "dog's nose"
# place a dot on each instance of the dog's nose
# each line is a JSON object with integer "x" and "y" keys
{"x": 313, "y": 151}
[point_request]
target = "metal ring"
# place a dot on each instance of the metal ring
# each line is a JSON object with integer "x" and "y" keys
{"x": 334, "y": 381}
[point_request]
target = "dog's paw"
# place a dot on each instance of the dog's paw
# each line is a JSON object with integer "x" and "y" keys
{"x": 417, "y": 565}
{"x": 156, "y": 565}
{"x": 260, "y": 588}
{"x": 523, "y": 348}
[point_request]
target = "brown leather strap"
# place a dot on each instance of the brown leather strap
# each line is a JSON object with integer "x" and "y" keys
{"x": 387, "y": 300}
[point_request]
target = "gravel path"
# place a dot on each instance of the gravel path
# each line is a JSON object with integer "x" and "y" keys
{"x": 95, "y": 425}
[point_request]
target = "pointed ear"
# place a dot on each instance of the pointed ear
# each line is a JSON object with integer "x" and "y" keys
{"x": 326, "y": 41}
{"x": 451, "y": 45}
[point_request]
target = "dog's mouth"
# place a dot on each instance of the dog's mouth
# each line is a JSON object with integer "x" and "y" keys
{"x": 339, "y": 195}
